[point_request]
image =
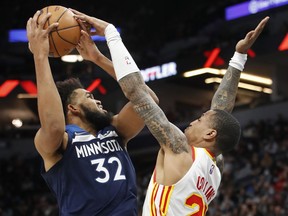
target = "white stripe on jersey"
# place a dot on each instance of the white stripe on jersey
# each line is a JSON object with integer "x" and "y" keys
{"x": 82, "y": 137}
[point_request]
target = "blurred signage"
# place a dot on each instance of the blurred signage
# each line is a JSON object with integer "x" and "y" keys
{"x": 252, "y": 7}
{"x": 159, "y": 72}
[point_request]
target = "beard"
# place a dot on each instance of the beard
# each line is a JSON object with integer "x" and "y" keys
{"x": 98, "y": 120}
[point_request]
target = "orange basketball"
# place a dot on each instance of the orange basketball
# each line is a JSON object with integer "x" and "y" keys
{"x": 66, "y": 36}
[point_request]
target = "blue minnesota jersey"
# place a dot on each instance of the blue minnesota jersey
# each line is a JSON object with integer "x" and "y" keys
{"x": 95, "y": 176}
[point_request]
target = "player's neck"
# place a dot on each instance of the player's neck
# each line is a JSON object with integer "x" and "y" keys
{"x": 84, "y": 125}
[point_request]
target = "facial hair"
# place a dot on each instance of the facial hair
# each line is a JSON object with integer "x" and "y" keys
{"x": 98, "y": 120}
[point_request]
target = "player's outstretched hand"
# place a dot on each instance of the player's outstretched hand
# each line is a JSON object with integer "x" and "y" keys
{"x": 98, "y": 24}
{"x": 245, "y": 44}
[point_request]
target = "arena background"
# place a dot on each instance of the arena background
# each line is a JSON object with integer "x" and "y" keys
{"x": 160, "y": 36}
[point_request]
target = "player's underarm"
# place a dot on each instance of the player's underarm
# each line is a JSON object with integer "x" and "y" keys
{"x": 135, "y": 90}
{"x": 224, "y": 97}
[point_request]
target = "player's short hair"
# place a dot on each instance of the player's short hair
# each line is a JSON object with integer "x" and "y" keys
{"x": 66, "y": 90}
{"x": 228, "y": 130}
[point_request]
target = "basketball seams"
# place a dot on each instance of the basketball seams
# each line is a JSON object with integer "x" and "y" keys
{"x": 65, "y": 28}
{"x": 63, "y": 37}
{"x": 61, "y": 17}
{"x": 51, "y": 35}
{"x": 62, "y": 14}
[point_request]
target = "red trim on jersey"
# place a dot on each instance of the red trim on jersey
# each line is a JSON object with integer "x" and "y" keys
{"x": 167, "y": 198}
{"x": 152, "y": 201}
{"x": 211, "y": 154}
{"x": 193, "y": 153}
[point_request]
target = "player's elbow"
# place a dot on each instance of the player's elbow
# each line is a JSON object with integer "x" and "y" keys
{"x": 134, "y": 92}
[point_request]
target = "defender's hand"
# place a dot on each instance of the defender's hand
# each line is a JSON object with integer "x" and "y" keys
{"x": 87, "y": 48}
{"x": 245, "y": 44}
{"x": 98, "y": 24}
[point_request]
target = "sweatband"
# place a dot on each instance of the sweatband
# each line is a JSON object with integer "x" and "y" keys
{"x": 238, "y": 60}
{"x": 123, "y": 62}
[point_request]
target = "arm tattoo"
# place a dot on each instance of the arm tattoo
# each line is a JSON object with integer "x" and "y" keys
{"x": 136, "y": 91}
{"x": 224, "y": 97}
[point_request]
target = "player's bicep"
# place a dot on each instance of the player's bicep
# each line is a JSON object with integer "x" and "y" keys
{"x": 128, "y": 123}
{"x": 48, "y": 144}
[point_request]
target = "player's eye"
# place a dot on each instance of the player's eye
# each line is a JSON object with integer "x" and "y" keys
{"x": 90, "y": 96}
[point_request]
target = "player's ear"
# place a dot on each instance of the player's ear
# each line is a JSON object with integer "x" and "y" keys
{"x": 210, "y": 134}
{"x": 73, "y": 109}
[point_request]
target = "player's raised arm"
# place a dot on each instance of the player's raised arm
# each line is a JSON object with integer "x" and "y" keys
{"x": 224, "y": 97}
{"x": 89, "y": 51}
{"x": 50, "y": 135}
{"x": 134, "y": 88}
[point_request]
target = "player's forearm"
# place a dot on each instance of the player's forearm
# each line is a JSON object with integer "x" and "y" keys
{"x": 224, "y": 97}
{"x": 49, "y": 103}
{"x": 136, "y": 91}
{"x": 106, "y": 64}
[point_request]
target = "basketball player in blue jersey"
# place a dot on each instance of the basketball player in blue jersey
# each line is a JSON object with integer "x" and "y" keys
{"x": 83, "y": 147}
{"x": 186, "y": 176}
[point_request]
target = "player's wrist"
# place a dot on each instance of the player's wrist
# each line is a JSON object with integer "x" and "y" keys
{"x": 238, "y": 60}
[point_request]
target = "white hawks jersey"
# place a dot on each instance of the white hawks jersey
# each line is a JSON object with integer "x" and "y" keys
{"x": 191, "y": 194}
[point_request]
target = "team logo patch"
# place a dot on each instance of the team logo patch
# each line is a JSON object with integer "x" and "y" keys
{"x": 127, "y": 60}
{"x": 211, "y": 169}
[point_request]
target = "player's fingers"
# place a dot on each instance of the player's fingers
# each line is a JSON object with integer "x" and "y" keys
{"x": 84, "y": 33}
{"x": 250, "y": 34}
{"x": 51, "y": 27}
{"x": 262, "y": 24}
{"x": 36, "y": 15}
{"x": 78, "y": 46}
{"x": 75, "y": 11}
{"x": 82, "y": 25}
{"x": 81, "y": 17}
{"x": 44, "y": 20}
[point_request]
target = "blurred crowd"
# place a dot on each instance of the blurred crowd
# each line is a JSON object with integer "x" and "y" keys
{"x": 255, "y": 178}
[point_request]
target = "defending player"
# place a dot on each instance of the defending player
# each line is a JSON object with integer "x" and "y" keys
{"x": 186, "y": 176}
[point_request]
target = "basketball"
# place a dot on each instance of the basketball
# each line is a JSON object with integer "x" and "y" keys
{"x": 65, "y": 37}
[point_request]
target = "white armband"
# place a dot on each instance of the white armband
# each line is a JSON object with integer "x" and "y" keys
{"x": 123, "y": 62}
{"x": 238, "y": 60}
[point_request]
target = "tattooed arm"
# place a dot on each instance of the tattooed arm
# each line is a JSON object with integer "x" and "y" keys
{"x": 224, "y": 97}
{"x": 167, "y": 134}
